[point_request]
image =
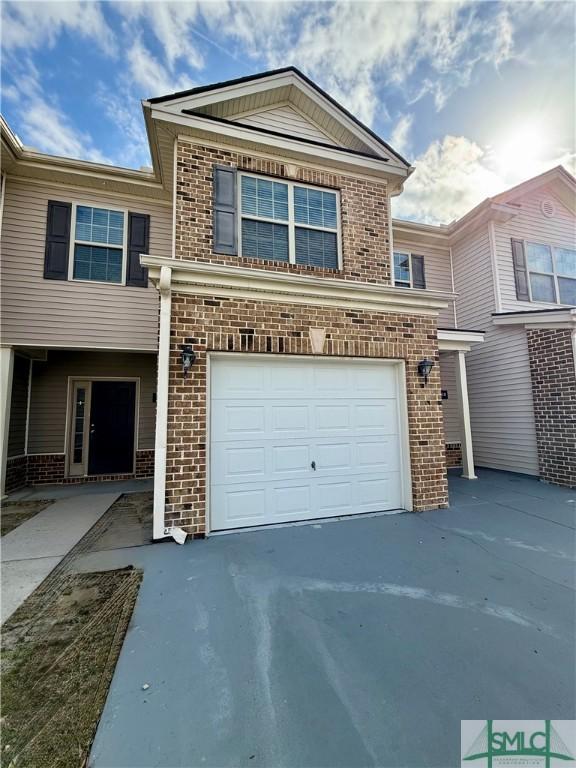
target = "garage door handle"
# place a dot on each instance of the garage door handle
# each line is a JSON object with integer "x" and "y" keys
{"x": 313, "y": 465}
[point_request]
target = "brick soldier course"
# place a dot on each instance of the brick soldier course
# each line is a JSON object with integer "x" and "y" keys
{"x": 554, "y": 396}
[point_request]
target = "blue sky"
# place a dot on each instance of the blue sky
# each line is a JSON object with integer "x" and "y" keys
{"x": 478, "y": 96}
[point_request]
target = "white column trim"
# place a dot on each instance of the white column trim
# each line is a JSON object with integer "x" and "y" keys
{"x": 161, "y": 438}
{"x": 464, "y": 406}
{"x": 6, "y": 374}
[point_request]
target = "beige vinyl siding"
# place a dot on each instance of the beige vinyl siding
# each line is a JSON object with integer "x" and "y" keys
{"x": 437, "y": 271}
{"x": 499, "y": 386}
{"x": 450, "y": 411}
{"x": 42, "y": 312}
{"x": 531, "y": 224}
{"x": 286, "y": 120}
{"x": 18, "y": 407}
{"x": 501, "y": 407}
{"x": 49, "y": 396}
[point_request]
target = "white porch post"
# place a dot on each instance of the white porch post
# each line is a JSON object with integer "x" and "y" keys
{"x": 463, "y": 405}
{"x": 6, "y": 371}
{"x": 161, "y": 440}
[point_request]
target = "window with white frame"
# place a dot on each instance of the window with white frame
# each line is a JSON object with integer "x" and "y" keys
{"x": 285, "y": 221}
{"x": 402, "y": 270}
{"x": 99, "y": 244}
{"x": 552, "y": 273}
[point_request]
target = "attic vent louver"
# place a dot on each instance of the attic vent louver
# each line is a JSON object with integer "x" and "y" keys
{"x": 547, "y": 208}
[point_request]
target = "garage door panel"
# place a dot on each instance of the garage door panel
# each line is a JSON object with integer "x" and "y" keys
{"x": 268, "y": 427}
{"x": 290, "y": 459}
{"x": 289, "y": 418}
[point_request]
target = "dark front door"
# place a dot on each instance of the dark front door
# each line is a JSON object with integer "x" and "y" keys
{"x": 112, "y": 417}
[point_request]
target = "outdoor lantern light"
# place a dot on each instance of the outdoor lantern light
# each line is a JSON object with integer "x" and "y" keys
{"x": 187, "y": 356}
{"x": 424, "y": 368}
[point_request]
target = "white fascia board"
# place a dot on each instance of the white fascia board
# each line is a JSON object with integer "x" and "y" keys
{"x": 243, "y": 133}
{"x": 539, "y": 319}
{"x": 201, "y": 278}
{"x": 458, "y": 341}
{"x": 277, "y": 81}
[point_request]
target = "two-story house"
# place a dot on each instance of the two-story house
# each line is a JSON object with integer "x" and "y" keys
{"x": 245, "y": 316}
{"x": 513, "y": 263}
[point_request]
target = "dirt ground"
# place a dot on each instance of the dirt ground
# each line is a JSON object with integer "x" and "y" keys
{"x": 14, "y": 513}
{"x": 60, "y": 648}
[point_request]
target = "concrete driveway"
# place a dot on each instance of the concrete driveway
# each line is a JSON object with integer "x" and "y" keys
{"x": 360, "y": 642}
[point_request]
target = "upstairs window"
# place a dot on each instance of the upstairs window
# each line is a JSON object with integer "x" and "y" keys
{"x": 409, "y": 270}
{"x": 99, "y": 244}
{"x": 284, "y": 221}
{"x": 552, "y": 274}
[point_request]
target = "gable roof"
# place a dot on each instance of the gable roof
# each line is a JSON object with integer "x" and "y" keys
{"x": 558, "y": 177}
{"x": 375, "y": 145}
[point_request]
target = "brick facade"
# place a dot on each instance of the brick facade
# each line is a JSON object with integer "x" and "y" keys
{"x": 242, "y": 325}
{"x": 16, "y": 473}
{"x": 49, "y": 469}
{"x": 363, "y": 206}
{"x": 453, "y": 455}
{"x": 554, "y": 396}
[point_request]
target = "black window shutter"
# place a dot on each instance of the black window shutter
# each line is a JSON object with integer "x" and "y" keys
{"x": 57, "y": 240}
{"x": 418, "y": 275}
{"x": 520, "y": 270}
{"x": 224, "y": 201}
{"x": 138, "y": 242}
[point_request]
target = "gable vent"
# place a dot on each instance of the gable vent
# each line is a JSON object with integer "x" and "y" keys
{"x": 547, "y": 208}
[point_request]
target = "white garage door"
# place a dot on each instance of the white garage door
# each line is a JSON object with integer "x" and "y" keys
{"x": 295, "y": 439}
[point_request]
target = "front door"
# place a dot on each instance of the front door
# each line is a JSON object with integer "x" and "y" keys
{"x": 112, "y": 419}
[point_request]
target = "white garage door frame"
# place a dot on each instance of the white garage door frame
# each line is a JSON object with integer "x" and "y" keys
{"x": 399, "y": 367}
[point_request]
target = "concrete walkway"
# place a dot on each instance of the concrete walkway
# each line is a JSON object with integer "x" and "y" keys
{"x": 33, "y": 549}
{"x": 348, "y": 644}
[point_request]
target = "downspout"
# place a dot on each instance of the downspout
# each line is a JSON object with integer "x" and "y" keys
{"x": 159, "y": 529}
{"x": 454, "y": 310}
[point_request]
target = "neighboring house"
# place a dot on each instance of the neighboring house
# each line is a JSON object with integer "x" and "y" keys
{"x": 514, "y": 269}
{"x": 278, "y": 369}
{"x": 79, "y": 322}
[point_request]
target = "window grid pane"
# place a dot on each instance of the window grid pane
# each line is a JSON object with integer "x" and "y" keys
{"x": 402, "y": 268}
{"x": 316, "y": 248}
{"x": 96, "y": 263}
{"x": 539, "y": 258}
{"x": 264, "y": 240}
{"x": 542, "y": 287}
{"x": 315, "y": 207}
{"x": 99, "y": 225}
{"x": 565, "y": 260}
{"x": 265, "y": 198}
{"x": 567, "y": 290}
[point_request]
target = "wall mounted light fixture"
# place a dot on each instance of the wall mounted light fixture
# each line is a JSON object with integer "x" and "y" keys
{"x": 188, "y": 356}
{"x": 424, "y": 368}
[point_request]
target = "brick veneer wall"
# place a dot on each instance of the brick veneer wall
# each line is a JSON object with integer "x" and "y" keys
{"x": 554, "y": 397}
{"x": 16, "y": 473}
{"x": 49, "y": 469}
{"x": 453, "y": 455}
{"x": 363, "y": 205}
{"x": 235, "y": 325}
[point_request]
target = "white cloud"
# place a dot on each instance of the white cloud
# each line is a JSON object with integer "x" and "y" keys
{"x": 450, "y": 179}
{"x": 36, "y": 24}
{"x": 355, "y": 49}
{"x": 400, "y": 136}
{"x": 455, "y": 174}
{"x": 149, "y": 75}
{"x": 43, "y": 124}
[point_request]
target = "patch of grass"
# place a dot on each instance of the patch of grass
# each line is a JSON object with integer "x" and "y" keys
{"x": 59, "y": 653}
{"x": 14, "y": 513}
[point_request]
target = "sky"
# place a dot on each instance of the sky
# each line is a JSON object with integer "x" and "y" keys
{"x": 478, "y": 96}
